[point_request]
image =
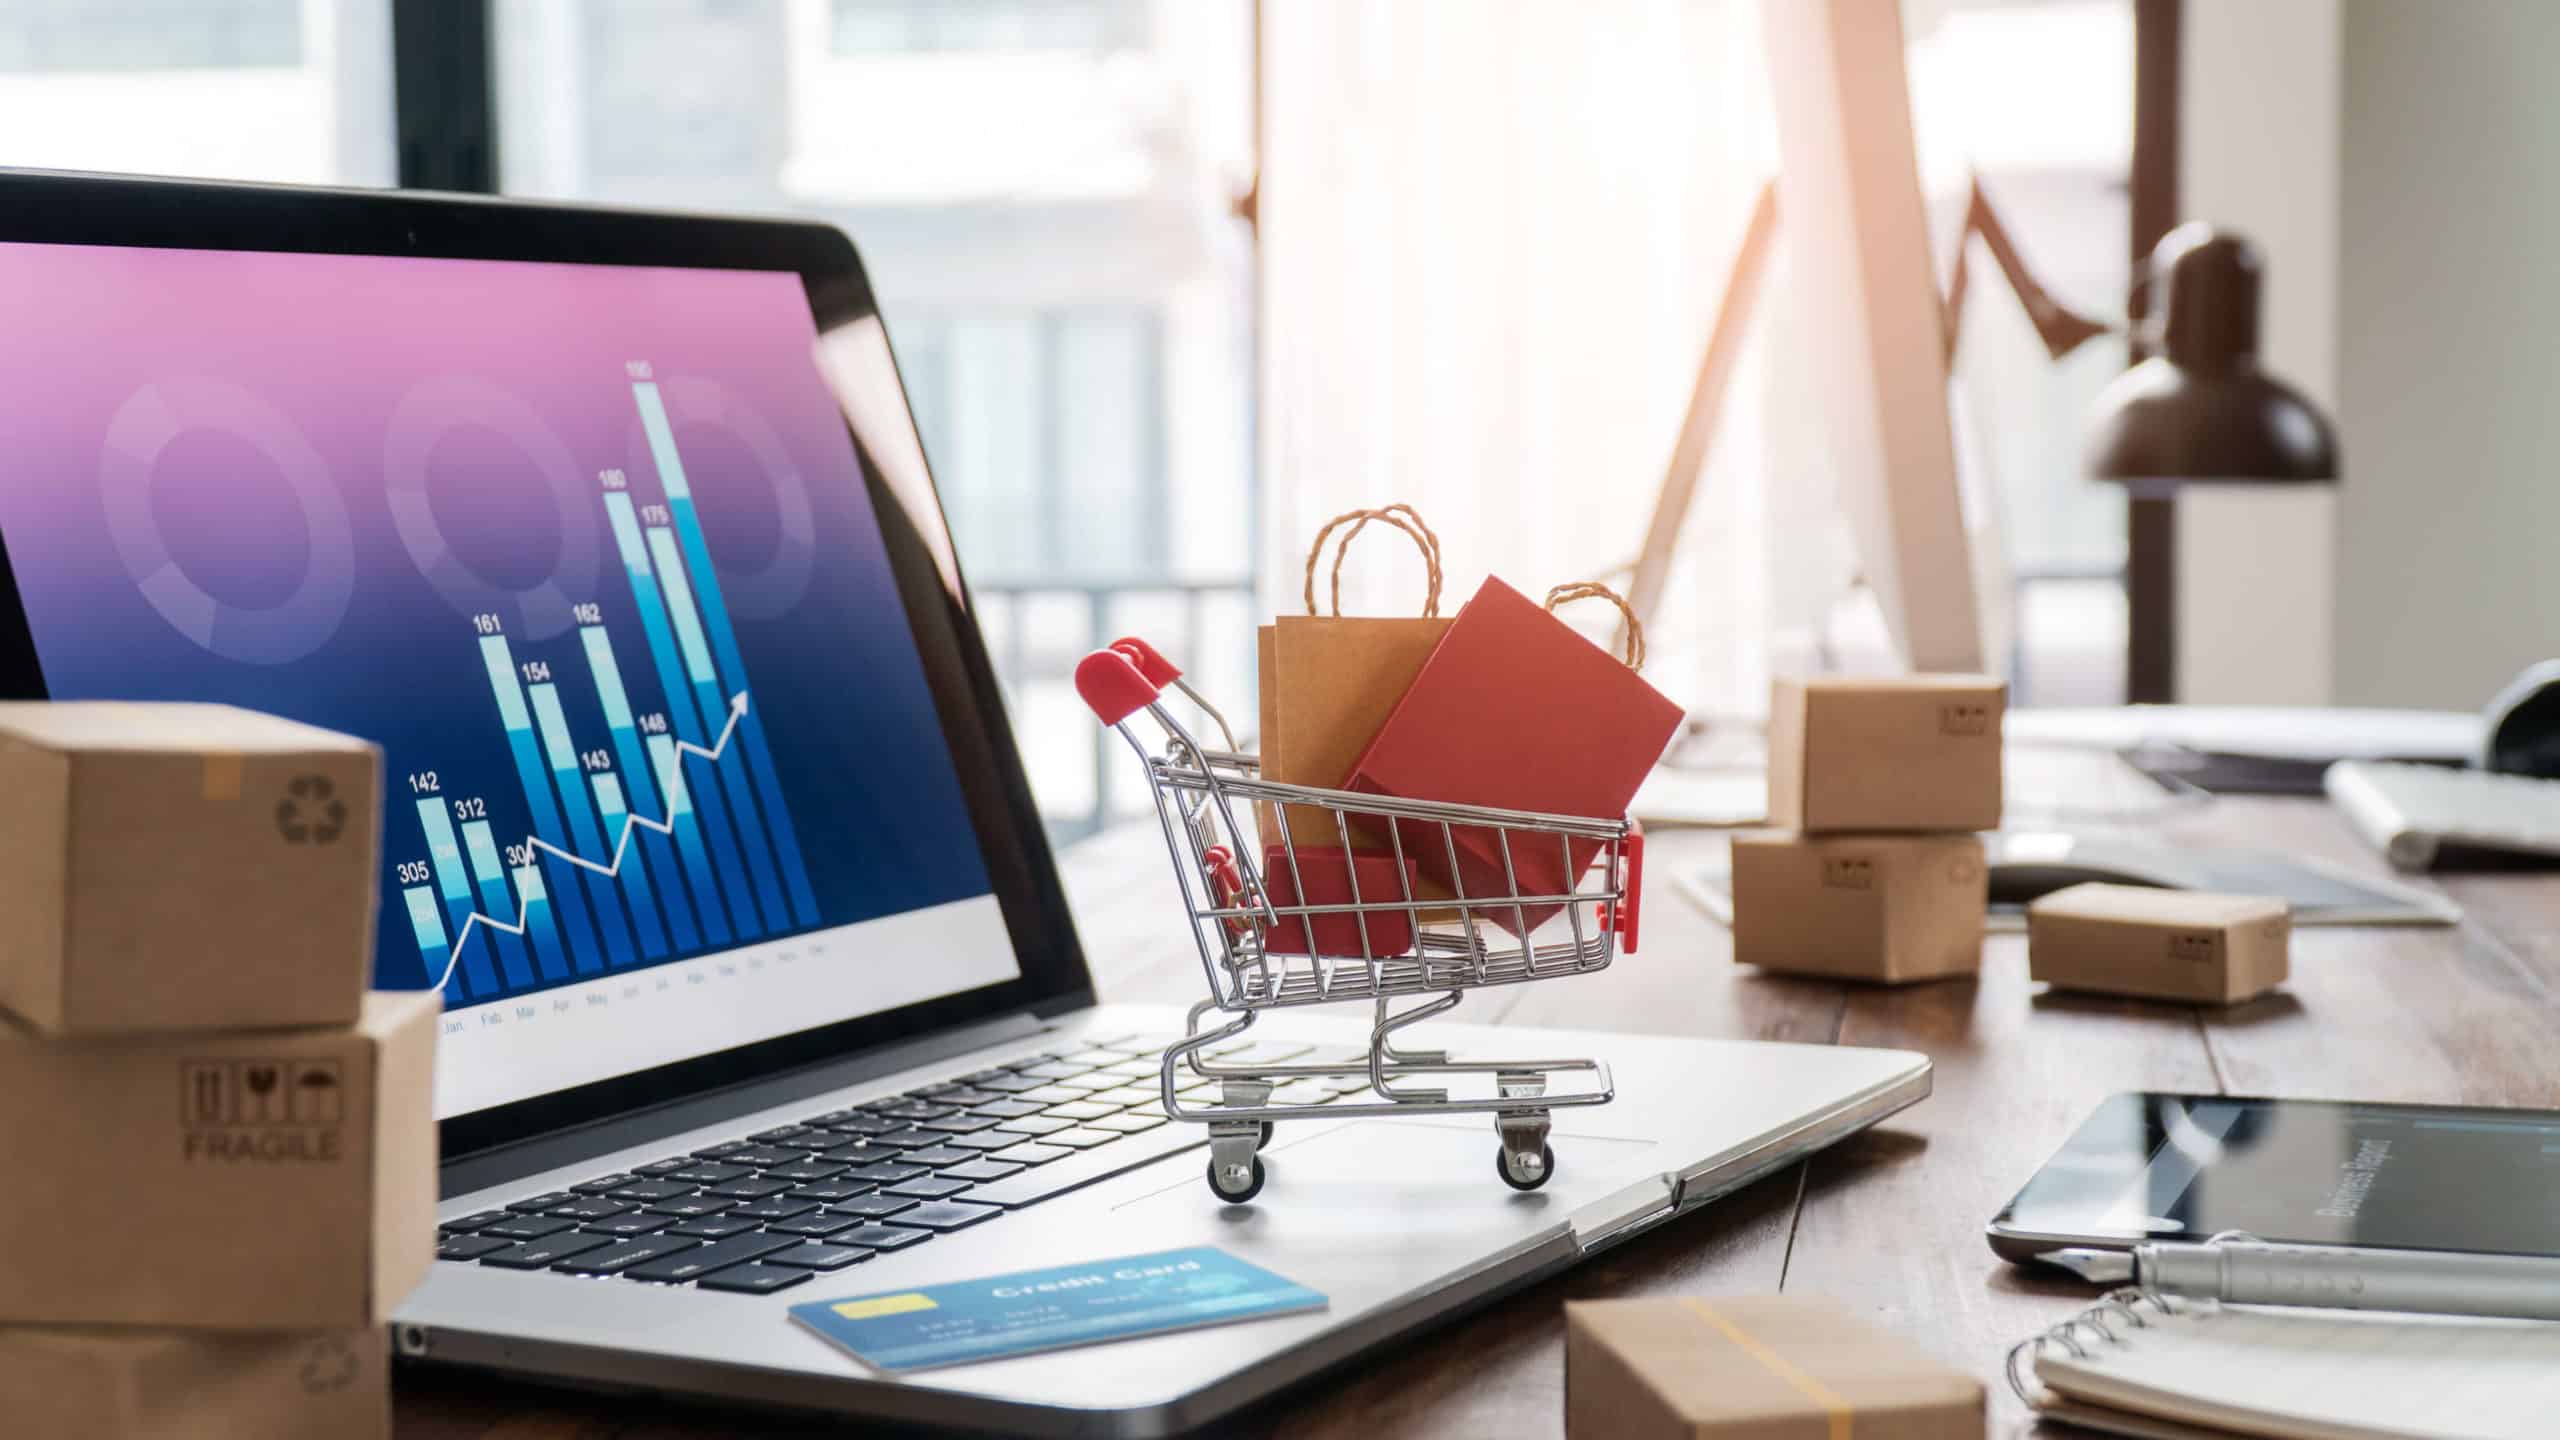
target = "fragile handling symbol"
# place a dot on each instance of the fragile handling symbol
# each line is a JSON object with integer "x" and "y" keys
{"x": 670, "y": 786}
{"x": 310, "y": 811}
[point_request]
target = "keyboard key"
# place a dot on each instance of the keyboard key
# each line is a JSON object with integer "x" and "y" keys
{"x": 980, "y": 1077}
{"x": 465, "y": 1224}
{"x": 1126, "y": 1123}
{"x": 959, "y": 1095}
{"x": 712, "y": 1172}
{"x": 543, "y": 1254}
{"x": 907, "y": 1139}
{"x": 602, "y": 1183}
{"x": 781, "y": 1207}
{"x": 712, "y": 1227}
{"x": 949, "y": 1215}
{"x": 936, "y": 1188}
{"x": 529, "y": 1227}
{"x": 1008, "y": 1084}
{"x": 1079, "y": 1139}
{"x": 648, "y": 1190}
{"x": 828, "y": 1192}
{"x": 542, "y": 1202}
{"x": 622, "y": 1257}
{"x": 886, "y": 1174}
{"x": 777, "y": 1135}
{"x": 832, "y": 1117}
{"x": 1079, "y": 1084}
{"x": 1053, "y": 1070}
{"x": 1125, "y": 1096}
{"x": 883, "y": 1237}
{"x": 761, "y": 1156}
{"x": 470, "y": 1247}
{"x": 915, "y": 1110}
{"x": 1036, "y": 1125}
{"x": 859, "y": 1152}
{"x": 1031, "y": 1152}
{"x": 1093, "y": 1059}
{"x": 658, "y": 1168}
{"x": 814, "y": 1256}
{"x": 857, "y": 1123}
{"x": 810, "y": 1138}
{"x": 691, "y": 1207}
{"x": 1004, "y": 1109}
{"x": 985, "y": 1140}
{"x": 638, "y": 1223}
{"x": 873, "y": 1207}
{"x": 702, "y": 1260}
{"x": 805, "y": 1171}
{"x": 753, "y": 1279}
{"x": 754, "y": 1187}
{"x": 723, "y": 1150}
{"x": 937, "y": 1156}
{"x": 816, "y": 1227}
{"x": 961, "y": 1124}
{"x": 1053, "y": 1095}
{"x": 1080, "y": 1110}
{"x": 975, "y": 1171}
{"x": 593, "y": 1207}
{"x": 1042, "y": 1181}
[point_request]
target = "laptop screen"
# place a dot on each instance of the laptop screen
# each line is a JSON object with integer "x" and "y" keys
{"x": 587, "y": 550}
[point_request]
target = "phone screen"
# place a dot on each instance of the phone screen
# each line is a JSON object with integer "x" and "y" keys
{"x": 2180, "y": 1167}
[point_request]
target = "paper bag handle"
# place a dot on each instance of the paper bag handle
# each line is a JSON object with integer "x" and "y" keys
{"x": 1400, "y": 515}
{"x": 1594, "y": 590}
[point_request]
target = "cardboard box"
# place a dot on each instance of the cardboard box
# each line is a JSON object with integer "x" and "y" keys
{"x": 251, "y": 1180}
{"x": 73, "y": 1382}
{"x": 1891, "y": 908}
{"x": 183, "y": 867}
{"x": 1774, "y": 1367}
{"x": 2159, "y": 944}
{"x": 1917, "y": 752}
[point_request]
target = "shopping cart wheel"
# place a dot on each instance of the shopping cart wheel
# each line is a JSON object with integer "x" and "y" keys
{"x": 1236, "y": 1196}
{"x": 1509, "y": 1166}
{"x": 1268, "y": 1128}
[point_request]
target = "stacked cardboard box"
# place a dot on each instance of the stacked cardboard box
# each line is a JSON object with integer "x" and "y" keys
{"x": 225, "y": 1147}
{"x": 1878, "y": 787}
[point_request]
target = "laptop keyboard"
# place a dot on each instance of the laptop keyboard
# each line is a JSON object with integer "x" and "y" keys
{"x": 768, "y": 1210}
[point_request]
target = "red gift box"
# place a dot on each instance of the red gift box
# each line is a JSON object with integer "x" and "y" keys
{"x": 1516, "y": 710}
{"x": 1381, "y": 881}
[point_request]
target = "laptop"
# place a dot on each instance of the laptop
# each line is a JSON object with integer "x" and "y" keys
{"x": 615, "y": 531}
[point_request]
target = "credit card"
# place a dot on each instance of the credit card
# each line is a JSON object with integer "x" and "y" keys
{"x": 1035, "y": 1310}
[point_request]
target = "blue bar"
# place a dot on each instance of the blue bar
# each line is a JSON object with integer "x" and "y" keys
{"x": 724, "y": 644}
{"x": 643, "y": 794}
{"x": 433, "y": 952}
{"x": 714, "y": 816}
{"x": 594, "y": 843}
{"x": 496, "y": 904}
{"x": 716, "y": 718}
{"x": 501, "y": 662}
{"x": 663, "y": 764}
{"x": 537, "y": 919}
{"x": 634, "y": 869}
{"x": 446, "y": 852}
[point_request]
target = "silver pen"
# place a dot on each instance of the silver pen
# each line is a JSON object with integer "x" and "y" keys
{"x": 2244, "y": 1270}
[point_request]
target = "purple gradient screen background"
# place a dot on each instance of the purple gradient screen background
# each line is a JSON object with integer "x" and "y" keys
{"x": 508, "y": 380}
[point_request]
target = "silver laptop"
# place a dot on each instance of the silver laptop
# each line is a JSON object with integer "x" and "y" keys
{"x": 615, "y": 531}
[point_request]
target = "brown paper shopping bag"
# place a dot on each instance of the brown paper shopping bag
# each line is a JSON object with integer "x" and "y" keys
{"x": 1329, "y": 682}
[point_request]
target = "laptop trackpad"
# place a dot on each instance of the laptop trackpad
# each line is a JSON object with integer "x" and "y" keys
{"x": 1368, "y": 1209}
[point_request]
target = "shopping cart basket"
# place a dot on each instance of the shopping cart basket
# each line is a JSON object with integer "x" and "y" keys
{"x": 1317, "y": 925}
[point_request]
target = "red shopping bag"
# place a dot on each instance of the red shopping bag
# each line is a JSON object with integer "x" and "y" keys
{"x": 1516, "y": 710}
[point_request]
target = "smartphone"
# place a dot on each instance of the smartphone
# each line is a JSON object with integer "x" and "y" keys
{"x": 2151, "y": 1166}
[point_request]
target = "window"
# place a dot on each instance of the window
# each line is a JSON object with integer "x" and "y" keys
{"x": 292, "y": 90}
{"x": 1041, "y": 191}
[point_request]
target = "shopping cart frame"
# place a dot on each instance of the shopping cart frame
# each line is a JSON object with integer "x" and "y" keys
{"x": 1233, "y": 914}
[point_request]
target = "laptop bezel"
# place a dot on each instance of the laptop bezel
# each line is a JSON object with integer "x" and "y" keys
{"x": 64, "y": 208}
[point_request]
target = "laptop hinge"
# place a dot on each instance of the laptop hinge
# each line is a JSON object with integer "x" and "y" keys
{"x": 674, "y": 1117}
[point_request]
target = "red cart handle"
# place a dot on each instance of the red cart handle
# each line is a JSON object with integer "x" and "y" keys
{"x": 1623, "y": 918}
{"x": 1159, "y": 671}
{"x": 1111, "y": 685}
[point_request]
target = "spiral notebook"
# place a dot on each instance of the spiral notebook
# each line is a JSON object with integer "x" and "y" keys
{"x": 2130, "y": 1367}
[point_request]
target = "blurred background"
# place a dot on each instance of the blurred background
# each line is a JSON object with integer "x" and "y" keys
{"x": 1172, "y": 281}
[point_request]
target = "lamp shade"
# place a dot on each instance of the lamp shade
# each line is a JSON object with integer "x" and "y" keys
{"x": 2202, "y": 411}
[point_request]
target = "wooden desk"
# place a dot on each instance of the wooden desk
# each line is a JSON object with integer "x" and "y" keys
{"x": 1891, "y": 1222}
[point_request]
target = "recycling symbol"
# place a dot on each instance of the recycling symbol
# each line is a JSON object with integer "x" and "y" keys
{"x": 310, "y": 811}
{"x": 328, "y": 1366}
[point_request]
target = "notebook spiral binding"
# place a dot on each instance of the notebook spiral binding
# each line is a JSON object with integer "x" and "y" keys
{"x": 2126, "y": 1305}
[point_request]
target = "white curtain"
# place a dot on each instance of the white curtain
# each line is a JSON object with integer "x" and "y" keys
{"x": 1495, "y": 236}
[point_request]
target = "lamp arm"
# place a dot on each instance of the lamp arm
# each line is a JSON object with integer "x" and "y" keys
{"x": 2061, "y": 329}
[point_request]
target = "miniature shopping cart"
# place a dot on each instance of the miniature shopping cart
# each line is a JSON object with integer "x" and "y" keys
{"x": 1305, "y": 923}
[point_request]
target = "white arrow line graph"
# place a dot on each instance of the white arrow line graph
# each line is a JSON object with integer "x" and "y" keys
{"x": 667, "y": 785}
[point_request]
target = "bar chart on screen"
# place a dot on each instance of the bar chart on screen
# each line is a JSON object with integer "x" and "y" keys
{"x": 666, "y": 836}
